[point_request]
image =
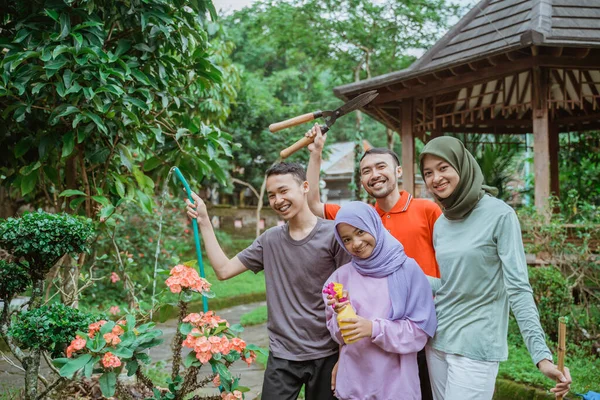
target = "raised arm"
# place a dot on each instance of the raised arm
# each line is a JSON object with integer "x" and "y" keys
{"x": 223, "y": 266}
{"x": 314, "y": 170}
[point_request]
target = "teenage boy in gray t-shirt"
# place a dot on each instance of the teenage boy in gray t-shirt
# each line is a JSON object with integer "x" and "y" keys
{"x": 297, "y": 258}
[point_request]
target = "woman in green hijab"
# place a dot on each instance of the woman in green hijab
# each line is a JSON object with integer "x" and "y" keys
{"x": 479, "y": 249}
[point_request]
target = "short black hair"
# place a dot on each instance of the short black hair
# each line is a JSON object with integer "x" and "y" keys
{"x": 293, "y": 168}
{"x": 381, "y": 150}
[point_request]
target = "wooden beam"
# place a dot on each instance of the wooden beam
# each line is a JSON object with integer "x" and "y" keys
{"x": 541, "y": 140}
{"x": 455, "y": 82}
{"x": 554, "y": 147}
{"x": 408, "y": 148}
{"x": 557, "y": 51}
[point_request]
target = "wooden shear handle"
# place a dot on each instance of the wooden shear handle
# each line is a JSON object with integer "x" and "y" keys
{"x": 305, "y": 141}
{"x": 300, "y": 119}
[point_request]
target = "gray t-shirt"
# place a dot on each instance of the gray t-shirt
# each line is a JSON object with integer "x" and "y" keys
{"x": 295, "y": 272}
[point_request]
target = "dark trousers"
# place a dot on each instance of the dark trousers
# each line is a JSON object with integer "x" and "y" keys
{"x": 424, "y": 376}
{"x": 284, "y": 378}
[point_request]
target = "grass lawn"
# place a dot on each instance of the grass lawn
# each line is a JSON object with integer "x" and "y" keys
{"x": 255, "y": 317}
{"x": 585, "y": 369}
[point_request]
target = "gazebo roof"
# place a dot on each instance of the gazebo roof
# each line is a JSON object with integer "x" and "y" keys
{"x": 493, "y": 27}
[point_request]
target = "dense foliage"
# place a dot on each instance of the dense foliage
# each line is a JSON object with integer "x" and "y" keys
{"x": 100, "y": 97}
{"x": 292, "y": 53}
{"x": 49, "y": 328}
{"x": 14, "y": 279}
{"x": 42, "y": 238}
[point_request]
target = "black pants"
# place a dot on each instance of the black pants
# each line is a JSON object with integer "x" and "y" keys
{"x": 284, "y": 378}
{"x": 424, "y": 376}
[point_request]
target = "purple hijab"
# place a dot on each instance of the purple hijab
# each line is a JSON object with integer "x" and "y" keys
{"x": 410, "y": 292}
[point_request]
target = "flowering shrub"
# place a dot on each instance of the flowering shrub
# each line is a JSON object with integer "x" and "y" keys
{"x": 48, "y": 328}
{"x": 184, "y": 277}
{"x": 112, "y": 348}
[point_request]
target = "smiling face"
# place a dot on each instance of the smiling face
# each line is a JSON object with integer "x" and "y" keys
{"x": 379, "y": 174}
{"x": 287, "y": 196}
{"x": 359, "y": 243}
{"x": 440, "y": 177}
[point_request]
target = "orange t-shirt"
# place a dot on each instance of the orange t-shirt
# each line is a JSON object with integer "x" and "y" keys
{"x": 411, "y": 222}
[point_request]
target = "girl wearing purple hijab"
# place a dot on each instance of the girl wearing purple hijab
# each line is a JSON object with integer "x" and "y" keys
{"x": 395, "y": 309}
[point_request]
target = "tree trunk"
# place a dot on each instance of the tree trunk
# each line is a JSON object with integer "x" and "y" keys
{"x": 261, "y": 195}
{"x": 390, "y": 138}
{"x": 31, "y": 362}
{"x": 70, "y": 279}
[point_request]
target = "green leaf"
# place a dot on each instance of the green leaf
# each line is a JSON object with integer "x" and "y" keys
{"x": 65, "y": 25}
{"x": 37, "y": 87}
{"x": 191, "y": 360}
{"x": 71, "y": 192}
{"x": 52, "y": 14}
{"x": 152, "y": 163}
{"x": 106, "y": 212}
{"x": 136, "y": 102}
{"x": 102, "y": 200}
{"x": 132, "y": 367}
{"x": 140, "y": 76}
{"x": 145, "y": 201}
{"x": 97, "y": 120}
{"x": 78, "y": 38}
{"x": 108, "y": 384}
{"x": 22, "y": 147}
{"x": 120, "y": 188}
{"x": 89, "y": 367}
{"x": 74, "y": 365}
{"x": 26, "y": 170}
{"x": 68, "y": 140}
{"x": 185, "y": 328}
{"x": 28, "y": 183}
{"x": 122, "y": 47}
{"x": 76, "y": 202}
{"x": 123, "y": 352}
{"x": 68, "y": 111}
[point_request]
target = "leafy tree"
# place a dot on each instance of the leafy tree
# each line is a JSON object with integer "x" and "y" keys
{"x": 100, "y": 97}
{"x": 294, "y": 52}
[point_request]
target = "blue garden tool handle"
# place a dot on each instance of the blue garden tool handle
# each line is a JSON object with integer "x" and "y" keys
{"x": 196, "y": 234}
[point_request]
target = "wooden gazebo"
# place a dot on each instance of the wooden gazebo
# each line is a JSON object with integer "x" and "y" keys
{"x": 508, "y": 66}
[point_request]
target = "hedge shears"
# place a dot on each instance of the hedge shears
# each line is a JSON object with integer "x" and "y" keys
{"x": 330, "y": 118}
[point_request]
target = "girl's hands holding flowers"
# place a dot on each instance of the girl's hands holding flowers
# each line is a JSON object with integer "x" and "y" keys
{"x": 338, "y": 304}
{"x": 358, "y": 328}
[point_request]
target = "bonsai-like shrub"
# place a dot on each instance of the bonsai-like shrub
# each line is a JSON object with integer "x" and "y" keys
{"x": 42, "y": 238}
{"x": 14, "y": 279}
{"x": 49, "y": 328}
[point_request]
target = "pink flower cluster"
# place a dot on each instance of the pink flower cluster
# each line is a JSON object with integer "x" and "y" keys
{"x": 205, "y": 345}
{"x": 114, "y": 278}
{"x": 232, "y": 396}
{"x": 77, "y": 344}
{"x": 112, "y": 338}
{"x": 205, "y": 321}
{"x": 184, "y": 277}
{"x": 110, "y": 360}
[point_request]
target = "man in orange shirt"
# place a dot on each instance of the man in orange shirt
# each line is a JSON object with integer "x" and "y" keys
{"x": 408, "y": 219}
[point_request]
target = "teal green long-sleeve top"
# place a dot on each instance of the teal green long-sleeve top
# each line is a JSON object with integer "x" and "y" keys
{"x": 483, "y": 271}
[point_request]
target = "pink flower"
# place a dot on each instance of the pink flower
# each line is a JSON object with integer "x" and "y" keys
{"x": 95, "y": 327}
{"x": 217, "y": 381}
{"x": 232, "y": 396}
{"x": 114, "y": 278}
{"x": 184, "y": 277}
{"x": 250, "y": 359}
{"x": 238, "y": 344}
{"x": 114, "y": 310}
{"x": 111, "y": 339}
{"x": 110, "y": 361}
{"x": 77, "y": 344}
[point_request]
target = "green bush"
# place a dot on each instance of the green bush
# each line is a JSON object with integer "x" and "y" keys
{"x": 552, "y": 295}
{"x": 50, "y": 328}
{"x": 14, "y": 279}
{"x": 42, "y": 238}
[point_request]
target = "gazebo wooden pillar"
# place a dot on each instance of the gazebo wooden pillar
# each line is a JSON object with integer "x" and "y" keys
{"x": 507, "y": 67}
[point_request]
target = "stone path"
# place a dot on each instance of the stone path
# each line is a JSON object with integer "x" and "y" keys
{"x": 251, "y": 377}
